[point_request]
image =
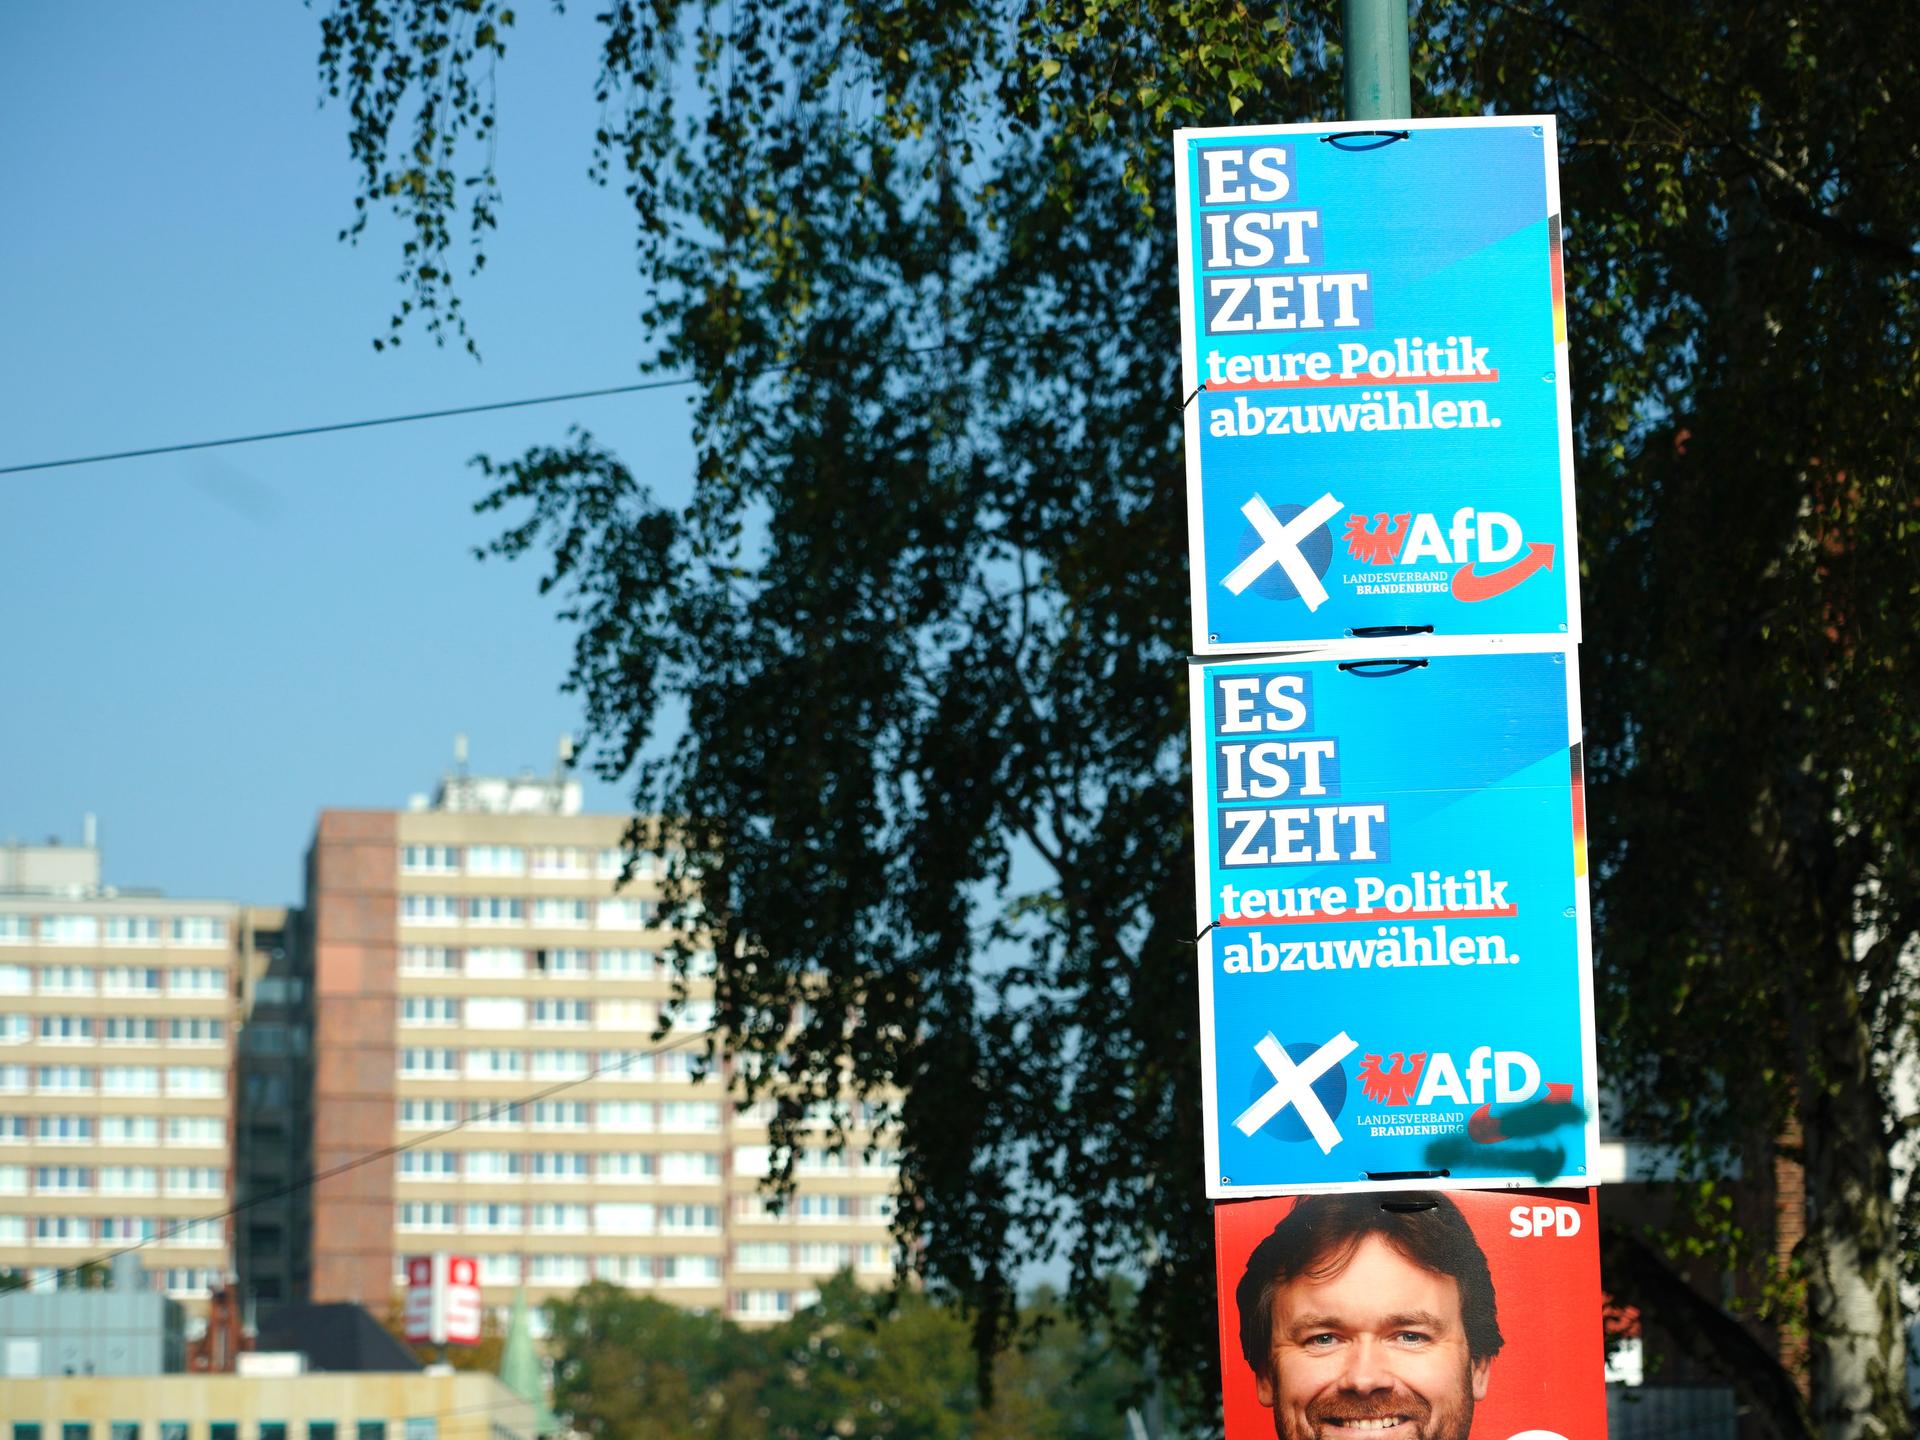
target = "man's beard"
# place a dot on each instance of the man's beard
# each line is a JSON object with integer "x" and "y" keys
{"x": 1450, "y": 1420}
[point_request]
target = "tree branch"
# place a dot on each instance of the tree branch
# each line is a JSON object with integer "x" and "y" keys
{"x": 1634, "y": 1272}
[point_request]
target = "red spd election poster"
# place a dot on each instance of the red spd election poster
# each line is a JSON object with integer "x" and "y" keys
{"x": 1412, "y": 1315}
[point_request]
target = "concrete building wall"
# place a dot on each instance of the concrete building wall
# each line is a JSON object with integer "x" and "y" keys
{"x": 117, "y": 1018}
{"x": 481, "y": 971}
{"x": 466, "y": 1406}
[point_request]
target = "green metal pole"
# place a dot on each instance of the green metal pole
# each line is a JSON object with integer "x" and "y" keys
{"x": 1374, "y": 35}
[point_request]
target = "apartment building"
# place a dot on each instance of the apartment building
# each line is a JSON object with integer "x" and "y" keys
{"x": 117, "y": 1020}
{"x": 484, "y": 999}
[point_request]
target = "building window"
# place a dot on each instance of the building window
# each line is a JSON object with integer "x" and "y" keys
{"x": 131, "y": 1029}
{"x": 626, "y": 913}
{"x": 496, "y": 860}
{"x": 15, "y": 1079}
{"x": 623, "y": 1219}
{"x": 560, "y": 914}
{"x": 173, "y": 1430}
{"x": 15, "y": 1029}
{"x": 138, "y": 980}
{"x": 13, "y": 1129}
{"x": 496, "y": 1219}
{"x": 495, "y": 1164}
{"x": 695, "y": 1116}
{"x": 565, "y": 1166}
{"x": 128, "y": 1229}
{"x": 429, "y": 910}
{"x": 62, "y": 1230}
{"x": 490, "y": 962}
{"x": 492, "y": 1064}
{"x": 496, "y": 1013}
{"x": 624, "y": 1168}
{"x": 429, "y": 860}
{"x": 200, "y": 1131}
{"x": 16, "y": 979}
{"x": 625, "y": 1117}
{"x": 560, "y": 1219}
{"x": 202, "y": 930}
{"x": 427, "y": 960}
{"x": 13, "y": 1179}
{"x": 558, "y": 1270}
{"x": 66, "y": 1129}
{"x": 428, "y": 1215}
{"x": 690, "y": 1219}
{"x": 559, "y": 1064}
{"x": 761, "y": 1255}
{"x": 428, "y": 1165}
{"x": 563, "y": 964}
{"x": 195, "y": 1180}
{"x": 130, "y": 1130}
{"x": 76, "y": 1430}
{"x": 133, "y": 930}
{"x": 197, "y": 1031}
{"x": 67, "y": 980}
{"x": 429, "y": 1010}
{"x": 626, "y": 1064}
{"x": 559, "y": 860}
{"x": 64, "y": 1079}
{"x": 124, "y": 1430}
{"x": 689, "y": 1270}
{"x": 273, "y": 1430}
{"x": 370, "y": 1430}
{"x": 499, "y": 1115}
{"x": 62, "y": 1180}
{"x": 689, "y": 1167}
{"x": 130, "y": 1080}
{"x": 15, "y": 929}
{"x": 628, "y": 964}
{"x": 625, "y": 1015}
{"x": 129, "y": 1180}
{"x": 562, "y": 1014}
{"x": 200, "y": 1080}
{"x": 66, "y": 1030}
{"x": 560, "y": 1115}
{"x": 322, "y": 1430}
{"x": 500, "y": 1269}
{"x": 494, "y": 910}
{"x": 419, "y": 1427}
{"x": 428, "y": 1114}
{"x": 69, "y": 930}
{"x": 196, "y": 980}
{"x": 429, "y": 1063}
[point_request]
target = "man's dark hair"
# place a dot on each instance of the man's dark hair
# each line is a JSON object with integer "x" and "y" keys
{"x": 1319, "y": 1236}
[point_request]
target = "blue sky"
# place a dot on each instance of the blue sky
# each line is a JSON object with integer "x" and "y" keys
{"x": 205, "y": 650}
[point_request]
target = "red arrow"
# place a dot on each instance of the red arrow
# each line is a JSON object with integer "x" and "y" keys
{"x": 1469, "y": 587}
{"x": 1483, "y": 1125}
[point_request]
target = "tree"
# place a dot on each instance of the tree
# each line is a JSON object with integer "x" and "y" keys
{"x": 927, "y": 607}
{"x": 630, "y": 1367}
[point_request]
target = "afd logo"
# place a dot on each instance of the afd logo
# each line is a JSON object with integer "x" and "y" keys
{"x": 1423, "y": 1078}
{"x": 1473, "y": 539}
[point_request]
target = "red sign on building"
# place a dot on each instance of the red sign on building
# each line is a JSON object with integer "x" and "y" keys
{"x": 443, "y": 1300}
{"x": 1443, "y": 1316}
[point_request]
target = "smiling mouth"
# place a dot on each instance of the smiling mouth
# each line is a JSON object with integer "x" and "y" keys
{"x": 1371, "y": 1422}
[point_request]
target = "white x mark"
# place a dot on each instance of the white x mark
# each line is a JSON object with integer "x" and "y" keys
{"x": 1280, "y": 545}
{"x": 1293, "y": 1085}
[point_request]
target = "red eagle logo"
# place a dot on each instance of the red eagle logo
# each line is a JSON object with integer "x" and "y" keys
{"x": 1379, "y": 545}
{"x": 1396, "y": 1084}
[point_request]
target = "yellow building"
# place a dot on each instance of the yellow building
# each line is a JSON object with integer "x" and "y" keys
{"x": 326, "y": 1406}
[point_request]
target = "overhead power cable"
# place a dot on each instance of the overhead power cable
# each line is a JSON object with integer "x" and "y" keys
{"x": 308, "y": 1181}
{"x": 336, "y": 426}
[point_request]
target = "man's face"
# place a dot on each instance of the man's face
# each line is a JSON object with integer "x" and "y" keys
{"x": 1375, "y": 1352}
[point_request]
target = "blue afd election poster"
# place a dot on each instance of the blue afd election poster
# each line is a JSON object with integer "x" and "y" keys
{"x": 1378, "y": 427}
{"x": 1395, "y": 976}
